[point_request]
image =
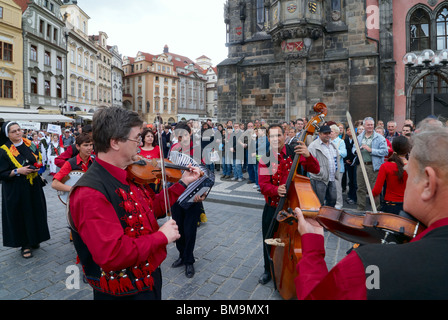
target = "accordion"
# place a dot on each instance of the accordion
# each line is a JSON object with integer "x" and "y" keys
{"x": 199, "y": 187}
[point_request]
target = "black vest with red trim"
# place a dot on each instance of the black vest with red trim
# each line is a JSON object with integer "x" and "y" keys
{"x": 74, "y": 163}
{"x": 412, "y": 271}
{"x": 121, "y": 282}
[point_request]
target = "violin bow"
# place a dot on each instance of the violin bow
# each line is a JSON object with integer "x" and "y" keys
{"x": 361, "y": 162}
{"x": 162, "y": 166}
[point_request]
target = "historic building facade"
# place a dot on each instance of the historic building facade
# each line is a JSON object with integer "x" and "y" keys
{"x": 423, "y": 90}
{"x": 117, "y": 77}
{"x": 150, "y": 86}
{"x": 82, "y": 91}
{"x": 285, "y": 56}
{"x": 44, "y": 55}
{"x": 104, "y": 69}
{"x": 168, "y": 85}
{"x": 191, "y": 95}
{"x": 11, "y": 55}
{"x": 211, "y": 74}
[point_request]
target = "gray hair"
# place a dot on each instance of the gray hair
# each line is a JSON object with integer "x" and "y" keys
{"x": 335, "y": 128}
{"x": 428, "y": 122}
{"x": 368, "y": 119}
{"x": 430, "y": 148}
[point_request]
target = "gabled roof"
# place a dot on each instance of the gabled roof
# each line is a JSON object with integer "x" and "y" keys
{"x": 23, "y": 4}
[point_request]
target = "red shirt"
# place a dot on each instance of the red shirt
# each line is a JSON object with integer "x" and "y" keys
{"x": 394, "y": 188}
{"x": 346, "y": 281}
{"x": 67, "y": 168}
{"x": 270, "y": 190}
{"x": 99, "y": 227}
{"x": 151, "y": 154}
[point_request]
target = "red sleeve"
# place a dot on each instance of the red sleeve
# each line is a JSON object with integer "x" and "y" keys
{"x": 159, "y": 200}
{"x": 65, "y": 170}
{"x": 100, "y": 229}
{"x": 381, "y": 178}
{"x": 389, "y": 148}
{"x": 310, "y": 164}
{"x": 264, "y": 181}
{"x": 346, "y": 281}
{"x": 63, "y": 157}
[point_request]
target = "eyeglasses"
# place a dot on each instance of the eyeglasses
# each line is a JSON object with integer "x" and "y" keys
{"x": 139, "y": 140}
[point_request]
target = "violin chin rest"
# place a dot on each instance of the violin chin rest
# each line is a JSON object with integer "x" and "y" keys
{"x": 140, "y": 162}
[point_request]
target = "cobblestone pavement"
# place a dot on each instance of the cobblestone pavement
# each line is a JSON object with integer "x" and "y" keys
{"x": 228, "y": 255}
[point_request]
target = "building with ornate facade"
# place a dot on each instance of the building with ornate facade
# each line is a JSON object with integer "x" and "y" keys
{"x": 168, "y": 84}
{"x": 286, "y": 56}
{"x": 192, "y": 99}
{"x": 82, "y": 61}
{"x": 150, "y": 86}
{"x": 104, "y": 69}
{"x": 117, "y": 77}
{"x": 211, "y": 74}
{"x": 44, "y": 55}
{"x": 11, "y": 55}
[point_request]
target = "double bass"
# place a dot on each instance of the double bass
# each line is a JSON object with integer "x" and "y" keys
{"x": 285, "y": 244}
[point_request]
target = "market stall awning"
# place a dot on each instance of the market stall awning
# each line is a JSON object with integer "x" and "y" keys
{"x": 33, "y": 117}
{"x": 86, "y": 117}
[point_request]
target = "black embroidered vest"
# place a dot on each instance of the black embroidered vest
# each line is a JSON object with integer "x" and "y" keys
{"x": 412, "y": 271}
{"x": 121, "y": 282}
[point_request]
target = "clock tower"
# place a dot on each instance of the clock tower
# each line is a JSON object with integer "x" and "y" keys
{"x": 284, "y": 56}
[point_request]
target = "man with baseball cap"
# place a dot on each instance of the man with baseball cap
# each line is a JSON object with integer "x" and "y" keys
{"x": 324, "y": 183}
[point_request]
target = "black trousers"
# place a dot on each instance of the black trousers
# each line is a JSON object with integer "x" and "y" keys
{"x": 187, "y": 221}
{"x": 268, "y": 214}
{"x": 155, "y": 294}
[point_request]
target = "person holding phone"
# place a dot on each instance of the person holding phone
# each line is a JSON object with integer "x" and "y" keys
{"x": 24, "y": 208}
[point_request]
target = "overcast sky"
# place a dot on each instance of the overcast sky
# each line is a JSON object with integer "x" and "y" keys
{"x": 191, "y": 28}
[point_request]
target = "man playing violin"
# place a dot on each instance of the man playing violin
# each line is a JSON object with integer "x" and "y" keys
{"x": 114, "y": 221}
{"x": 415, "y": 270}
{"x": 272, "y": 178}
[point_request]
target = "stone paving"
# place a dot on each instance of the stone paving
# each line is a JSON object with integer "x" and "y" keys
{"x": 228, "y": 255}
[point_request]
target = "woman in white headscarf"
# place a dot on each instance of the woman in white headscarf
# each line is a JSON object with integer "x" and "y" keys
{"x": 24, "y": 209}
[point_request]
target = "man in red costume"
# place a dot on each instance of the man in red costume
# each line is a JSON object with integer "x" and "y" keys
{"x": 272, "y": 178}
{"x": 114, "y": 220}
{"x": 416, "y": 270}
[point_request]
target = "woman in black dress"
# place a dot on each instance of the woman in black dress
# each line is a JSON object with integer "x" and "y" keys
{"x": 24, "y": 209}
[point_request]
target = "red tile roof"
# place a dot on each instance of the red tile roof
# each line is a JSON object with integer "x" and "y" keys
{"x": 23, "y": 4}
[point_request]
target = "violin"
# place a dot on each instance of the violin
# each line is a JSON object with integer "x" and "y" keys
{"x": 366, "y": 228}
{"x": 146, "y": 171}
{"x": 285, "y": 245}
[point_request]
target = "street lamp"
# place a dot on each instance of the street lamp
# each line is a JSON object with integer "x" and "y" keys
{"x": 427, "y": 60}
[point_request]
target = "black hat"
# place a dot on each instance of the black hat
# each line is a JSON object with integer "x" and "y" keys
{"x": 325, "y": 129}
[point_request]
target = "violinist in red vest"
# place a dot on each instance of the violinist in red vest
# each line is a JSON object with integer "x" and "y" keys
{"x": 412, "y": 271}
{"x": 114, "y": 219}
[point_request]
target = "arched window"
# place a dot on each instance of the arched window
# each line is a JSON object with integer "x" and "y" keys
{"x": 442, "y": 29}
{"x": 419, "y": 30}
{"x": 424, "y": 85}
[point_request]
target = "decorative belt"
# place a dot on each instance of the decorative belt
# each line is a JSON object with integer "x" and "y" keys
{"x": 368, "y": 163}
